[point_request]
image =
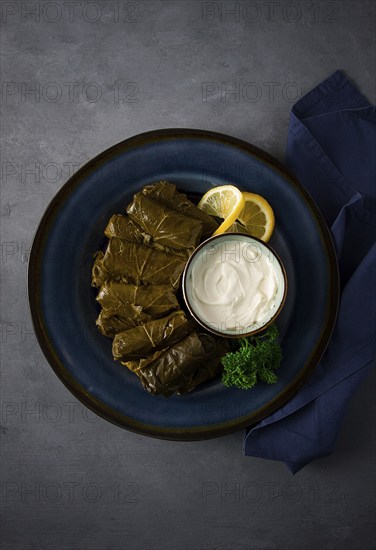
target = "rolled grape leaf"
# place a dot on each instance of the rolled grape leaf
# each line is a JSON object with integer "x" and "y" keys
{"x": 142, "y": 264}
{"x": 183, "y": 253}
{"x": 167, "y": 227}
{"x": 166, "y": 193}
{"x": 110, "y": 325}
{"x": 132, "y": 300}
{"x": 121, "y": 226}
{"x": 141, "y": 341}
{"x": 138, "y": 365}
{"x": 99, "y": 273}
{"x": 183, "y": 366}
{"x": 211, "y": 366}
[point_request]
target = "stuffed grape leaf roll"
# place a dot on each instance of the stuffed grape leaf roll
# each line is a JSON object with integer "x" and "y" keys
{"x": 166, "y": 193}
{"x": 121, "y": 226}
{"x": 166, "y": 227}
{"x": 99, "y": 273}
{"x": 132, "y": 300}
{"x": 142, "y": 340}
{"x": 142, "y": 264}
{"x": 110, "y": 325}
{"x": 181, "y": 367}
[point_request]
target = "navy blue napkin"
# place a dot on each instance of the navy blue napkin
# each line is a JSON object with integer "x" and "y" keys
{"x": 331, "y": 149}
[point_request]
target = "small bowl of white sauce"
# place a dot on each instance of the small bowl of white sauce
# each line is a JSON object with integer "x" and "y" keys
{"x": 234, "y": 285}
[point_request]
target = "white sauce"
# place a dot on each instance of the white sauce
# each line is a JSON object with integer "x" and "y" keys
{"x": 234, "y": 285}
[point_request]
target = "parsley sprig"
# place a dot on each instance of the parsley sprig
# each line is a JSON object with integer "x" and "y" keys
{"x": 257, "y": 358}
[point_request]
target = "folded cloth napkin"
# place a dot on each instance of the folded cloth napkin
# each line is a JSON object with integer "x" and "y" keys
{"x": 331, "y": 149}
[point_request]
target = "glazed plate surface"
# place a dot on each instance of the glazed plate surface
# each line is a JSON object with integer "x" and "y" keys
{"x": 63, "y": 303}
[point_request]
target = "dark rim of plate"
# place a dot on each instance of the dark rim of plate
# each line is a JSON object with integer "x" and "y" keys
{"x": 207, "y": 325}
{"x": 80, "y": 392}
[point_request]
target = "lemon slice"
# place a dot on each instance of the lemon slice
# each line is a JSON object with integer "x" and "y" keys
{"x": 225, "y": 201}
{"x": 236, "y": 228}
{"x": 256, "y": 218}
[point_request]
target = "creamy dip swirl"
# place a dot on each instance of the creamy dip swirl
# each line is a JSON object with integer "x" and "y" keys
{"x": 234, "y": 285}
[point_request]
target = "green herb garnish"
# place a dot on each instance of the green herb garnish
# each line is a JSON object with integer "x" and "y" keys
{"x": 256, "y": 359}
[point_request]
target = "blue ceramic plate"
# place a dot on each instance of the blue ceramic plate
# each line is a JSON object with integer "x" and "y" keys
{"x": 63, "y": 303}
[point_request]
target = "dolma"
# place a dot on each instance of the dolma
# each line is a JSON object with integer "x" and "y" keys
{"x": 138, "y": 365}
{"x": 180, "y": 368}
{"x": 211, "y": 366}
{"x": 99, "y": 273}
{"x": 122, "y": 226}
{"x": 140, "y": 341}
{"x": 166, "y": 193}
{"x": 129, "y": 300}
{"x": 166, "y": 226}
{"x": 110, "y": 325}
{"x": 142, "y": 264}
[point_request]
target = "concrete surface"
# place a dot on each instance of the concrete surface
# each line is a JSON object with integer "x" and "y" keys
{"x": 78, "y": 77}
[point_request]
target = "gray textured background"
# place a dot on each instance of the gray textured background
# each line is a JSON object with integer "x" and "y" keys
{"x": 101, "y": 72}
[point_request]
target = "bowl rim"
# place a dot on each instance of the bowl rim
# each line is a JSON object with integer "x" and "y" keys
{"x": 203, "y": 323}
